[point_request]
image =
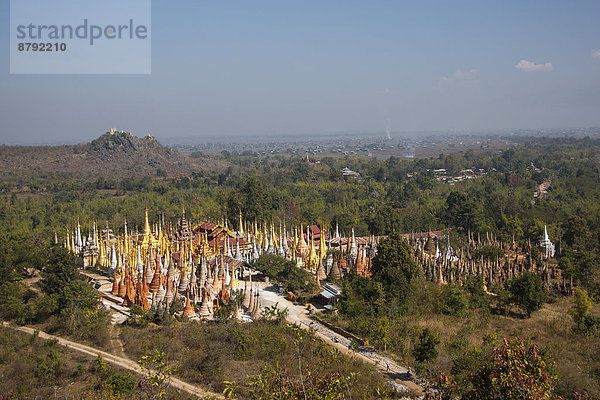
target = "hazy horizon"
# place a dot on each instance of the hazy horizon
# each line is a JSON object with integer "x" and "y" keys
{"x": 270, "y": 69}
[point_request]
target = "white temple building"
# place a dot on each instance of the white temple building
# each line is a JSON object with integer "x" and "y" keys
{"x": 547, "y": 245}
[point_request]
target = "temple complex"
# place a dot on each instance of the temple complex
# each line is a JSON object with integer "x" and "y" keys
{"x": 205, "y": 265}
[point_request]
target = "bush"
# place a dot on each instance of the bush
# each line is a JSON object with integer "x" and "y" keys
{"x": 139, "y": 317}
{"x": 122, "y": 382}
{"x": 455, "y": 301}
{"x": 526, "y": 292}
{"x": 425, "y": 348}
{"x": 591, "y": 325}
{"x": 488, "y": 252}
{"x": 516, "y": 369}
{"x": 50, "y": 366}
{"x": 474, "y": 285}
{"x": 286, "y": 273}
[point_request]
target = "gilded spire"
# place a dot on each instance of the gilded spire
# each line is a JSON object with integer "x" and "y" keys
{"x": 146, "y": 223}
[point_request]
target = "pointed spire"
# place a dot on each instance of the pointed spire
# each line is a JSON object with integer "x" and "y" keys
{"x": 246, "y": 300}
{"x": 122, "y": 289}
{"x": 342, "y": 262}
{"x": 256, "y": 314}
{"x": 139, "y": 265}
{"x": 321, "y": 274}
{"x": 113, "y": 259}
{"x": 250, "y": 307}
{"x": 169, "y": 293}
{"x": 353, "y": 247}
{"x": 147, "y": 230}
{"x": 359, "y": 264}
{"x": 238, "y": 253}
{"x": 159, "y": 296}
{"x": 205, "y": 309}
{"x": 334, "y": 273}
{"x": 115, "y": 285}
{"x": 188, "y": 311}
{"x": 155, "y": 282}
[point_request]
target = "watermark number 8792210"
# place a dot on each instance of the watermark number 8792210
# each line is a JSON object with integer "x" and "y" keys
{"x": 27, "y": 46}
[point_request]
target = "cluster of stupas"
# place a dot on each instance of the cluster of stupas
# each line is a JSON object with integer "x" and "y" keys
{"x": 161, "y": 266}
{"x": 200, "y": 267}
{"x": 457, "y": 266}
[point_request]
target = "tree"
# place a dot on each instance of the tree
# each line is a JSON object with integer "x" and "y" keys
{"x": 253, "y": 199}
{"x": 344, "y": 222}
{"x": 61, "y": 269}
{"x": 362, "y": 301}
{"x": 581, "y": 308}
{"x": 157, "y": 373}
{"x": 395, "y": 268}
{"x": 516, "y": 370}
{"x": 489, "y": 252}
{"x": 383, "y": 331}
{"x": 587, "y": 323}
{"x": 286, "y": 273}
{"x": 526, "y": 292}
{"x": 463, "y": 212}
{"x": 384, "y": 220}
{"x": 455, "y": 301}
{"x": 454, "y": 163}
{"x": 576, "y": 232}
{"x": 425, "y": 348}
{"x": 81, "y": 314}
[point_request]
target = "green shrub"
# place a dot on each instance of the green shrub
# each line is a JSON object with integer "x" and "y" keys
{"x": 425, "y": 348}
{"x": 286, "y": 273}
{"x": 456, "y": 301}
{"x": 122, "y": 382}
{"x": 526, "y": 292}
{"x": 488, "y": 252}
{"x": 50, "y": 366}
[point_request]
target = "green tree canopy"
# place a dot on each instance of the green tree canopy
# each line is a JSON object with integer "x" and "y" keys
{"x": 61, "y": 269}
{"x": 463, "y": 212}
{"x": 286, "y": 273}
{"x": 526, "y": 292}
{"x": 516, "y": 370}
{"x": 425, "y": 348}
{"x": 395, "y": 267}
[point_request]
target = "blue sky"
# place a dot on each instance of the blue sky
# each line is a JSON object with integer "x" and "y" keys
{"x": 240, "y": 68}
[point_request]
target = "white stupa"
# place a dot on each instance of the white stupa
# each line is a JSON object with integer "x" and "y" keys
{"x": 547, "y": 245}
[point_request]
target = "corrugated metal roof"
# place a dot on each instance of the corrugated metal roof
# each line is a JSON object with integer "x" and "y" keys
{"x": 330, "y": 290}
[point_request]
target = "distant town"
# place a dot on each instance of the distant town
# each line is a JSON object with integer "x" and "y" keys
{"x": 406, "y": 145}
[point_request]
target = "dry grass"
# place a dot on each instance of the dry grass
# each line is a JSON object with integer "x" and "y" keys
{"x": 577, "y": 357}
{"x": 209, "y": 354}
{"x": 34, "y": 368}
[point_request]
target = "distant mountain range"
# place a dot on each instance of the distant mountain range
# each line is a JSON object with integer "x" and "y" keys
{"x": 113, "y": 154}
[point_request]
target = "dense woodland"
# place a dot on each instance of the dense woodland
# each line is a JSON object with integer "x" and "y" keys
{"x": 453, "y": 330}
{"x": 391, "y": 195}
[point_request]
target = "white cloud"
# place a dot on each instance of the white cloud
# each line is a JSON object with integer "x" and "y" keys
{"x": 530, "y": 66}
{"x": 596, "y": 54}
{"x": 461, "y": 76}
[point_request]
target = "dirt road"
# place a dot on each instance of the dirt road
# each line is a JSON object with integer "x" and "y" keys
{"x": 116, "y": 360}
{"x": 299, "y": 315}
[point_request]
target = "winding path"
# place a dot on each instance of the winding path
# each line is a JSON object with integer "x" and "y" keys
{"x": 299, "y": 315}
{"x": 122, "y": 362}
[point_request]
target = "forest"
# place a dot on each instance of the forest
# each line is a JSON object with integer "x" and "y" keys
{"x": 445, "y": 331}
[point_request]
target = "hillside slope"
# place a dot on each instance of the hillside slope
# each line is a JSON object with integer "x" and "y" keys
{"x": 110, "y": 155}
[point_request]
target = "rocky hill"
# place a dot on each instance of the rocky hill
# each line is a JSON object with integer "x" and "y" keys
{"x": 113, "y": 154}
